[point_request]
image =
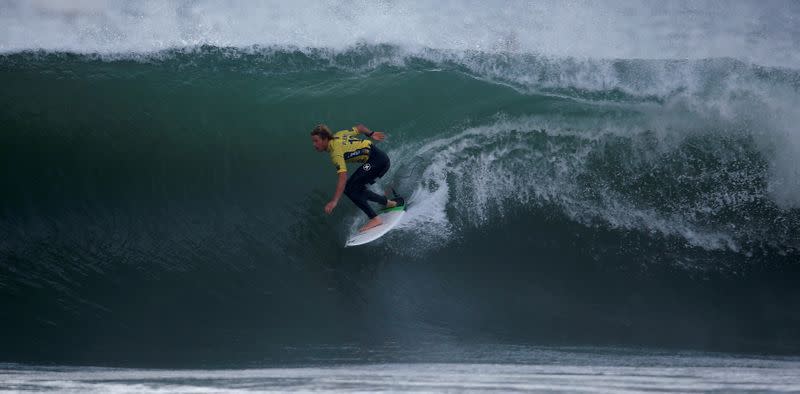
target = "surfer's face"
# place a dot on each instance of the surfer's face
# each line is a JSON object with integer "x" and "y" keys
{"x": 320, "y": 144}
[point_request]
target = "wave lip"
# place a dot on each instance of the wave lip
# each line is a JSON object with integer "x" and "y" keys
{"x": 752, "y": 31}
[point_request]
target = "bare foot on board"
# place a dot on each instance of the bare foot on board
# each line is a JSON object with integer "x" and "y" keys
{"x": 374, "y": 222}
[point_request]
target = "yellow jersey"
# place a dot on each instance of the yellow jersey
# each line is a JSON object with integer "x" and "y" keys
{"x": 347, "y": 147}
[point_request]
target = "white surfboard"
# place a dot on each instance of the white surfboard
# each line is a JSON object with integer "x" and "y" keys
{"x": 390, "y": 217}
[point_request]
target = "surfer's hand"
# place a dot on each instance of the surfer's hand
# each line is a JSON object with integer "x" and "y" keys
{"x": 378, "y": 136}
{"x": 329, "y": 206}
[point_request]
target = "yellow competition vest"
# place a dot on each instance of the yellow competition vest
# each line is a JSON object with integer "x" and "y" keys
{"x": 347, "y": 147}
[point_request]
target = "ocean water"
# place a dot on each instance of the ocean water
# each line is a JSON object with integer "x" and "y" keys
{"x": 479, "y": 369}
{"x": 578, "y": 174}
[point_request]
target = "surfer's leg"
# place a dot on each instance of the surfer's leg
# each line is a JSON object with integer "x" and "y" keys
{"x": 379, "y": 164}
{"x": 375, "y": 197}
{"x": 360, "y": 199}
{"x": 358, "y": 194}
{"x": 355, "y": 189}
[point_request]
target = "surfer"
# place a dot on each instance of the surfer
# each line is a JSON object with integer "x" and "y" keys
{"x": 346, "y": 146}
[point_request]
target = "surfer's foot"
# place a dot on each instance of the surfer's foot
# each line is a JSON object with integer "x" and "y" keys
{"x": 374, "y": 222}
{"x": 391, "y": 203}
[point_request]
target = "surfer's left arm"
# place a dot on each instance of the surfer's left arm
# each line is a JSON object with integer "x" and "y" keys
{"x": 375, "y": 135}
{"x": 338, "y": 194}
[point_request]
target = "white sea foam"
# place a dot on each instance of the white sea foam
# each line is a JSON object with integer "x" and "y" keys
{"x": 567, "y": 371}
{"x": 486, "y": 171}
{"x": 753, "y": 31}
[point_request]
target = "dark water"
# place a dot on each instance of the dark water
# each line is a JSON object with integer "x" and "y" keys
{"x": 166, "y": 209}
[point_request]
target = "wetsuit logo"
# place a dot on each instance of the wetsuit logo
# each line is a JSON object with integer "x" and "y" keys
{"x": 366, "y": 166}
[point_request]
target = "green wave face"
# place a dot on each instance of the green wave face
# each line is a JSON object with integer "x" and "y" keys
{"x": 143, "y": 195}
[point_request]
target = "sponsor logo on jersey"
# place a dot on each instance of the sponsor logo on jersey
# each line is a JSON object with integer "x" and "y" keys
{"x": 355, "y": 153}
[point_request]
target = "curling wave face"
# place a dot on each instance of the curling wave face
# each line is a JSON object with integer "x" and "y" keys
{"x": 159, "y": 188}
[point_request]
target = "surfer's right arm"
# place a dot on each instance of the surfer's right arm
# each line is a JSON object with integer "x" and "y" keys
{"x": 341, "y": 171}
{"x": 375, "y": 135}
{"x": 338, "y": 194}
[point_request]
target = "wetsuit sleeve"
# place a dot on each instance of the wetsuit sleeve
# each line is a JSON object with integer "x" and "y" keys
{"x": 337, "y": 157}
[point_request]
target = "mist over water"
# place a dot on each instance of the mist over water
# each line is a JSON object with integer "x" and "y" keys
{"x": 577, "y": 174}
{"x": 759, "y": 32}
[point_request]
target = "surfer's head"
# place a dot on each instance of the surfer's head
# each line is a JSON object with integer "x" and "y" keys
{"x": 320, "y": 137}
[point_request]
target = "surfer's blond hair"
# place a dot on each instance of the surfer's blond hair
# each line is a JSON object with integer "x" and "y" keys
{"x": 322, "y": 131}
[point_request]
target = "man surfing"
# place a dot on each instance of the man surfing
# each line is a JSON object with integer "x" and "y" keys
{"x": 346, "y": 147}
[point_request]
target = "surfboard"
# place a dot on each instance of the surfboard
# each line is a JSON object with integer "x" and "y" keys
{"x": 390, "y": 217}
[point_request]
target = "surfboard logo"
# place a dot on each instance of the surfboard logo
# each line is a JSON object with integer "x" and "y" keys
{"x": 366, "y": 166}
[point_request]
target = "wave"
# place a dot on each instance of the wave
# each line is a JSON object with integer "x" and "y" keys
{"x": 709, "y": 105}
{"x": 185, "y": 178}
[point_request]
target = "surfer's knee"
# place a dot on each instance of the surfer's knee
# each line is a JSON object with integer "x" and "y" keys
{"x": 352, "y": 192}
{"x": 352, "y": 189}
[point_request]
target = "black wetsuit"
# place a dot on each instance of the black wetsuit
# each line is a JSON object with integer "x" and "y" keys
{"x": 356, "y": 187}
